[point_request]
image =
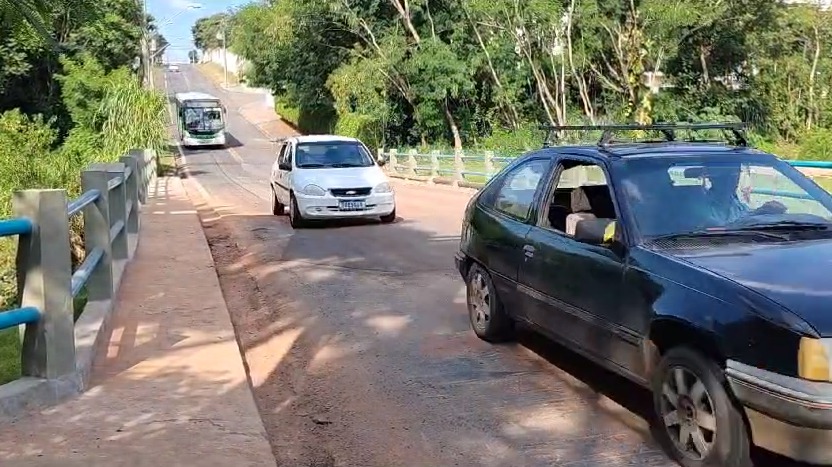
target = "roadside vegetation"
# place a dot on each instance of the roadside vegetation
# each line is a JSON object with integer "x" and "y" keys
{"x": 484, "y": 74}
{"x": 70, "y": 94}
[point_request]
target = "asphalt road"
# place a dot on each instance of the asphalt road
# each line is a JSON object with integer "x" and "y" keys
{"x": 358, "y": 344}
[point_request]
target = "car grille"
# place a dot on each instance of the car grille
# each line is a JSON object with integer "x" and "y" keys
{"x": 348, "y": 192}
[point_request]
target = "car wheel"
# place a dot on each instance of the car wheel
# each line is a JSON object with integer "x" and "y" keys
{"x": 295, "y": 219}
{"x": 389, "y": 218}
{"x": 277, "y": 208}
{"x": 699, "y": 423}
{"x": 488, "y": 317}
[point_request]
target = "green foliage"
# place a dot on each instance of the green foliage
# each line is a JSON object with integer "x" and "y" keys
{"x": 68, "y": 97}
{"x": 474, "y": 71}
{"x": 817, "y": 145}
{"x": 207, "y": 32}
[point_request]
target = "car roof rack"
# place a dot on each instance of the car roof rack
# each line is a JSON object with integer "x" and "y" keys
{"x": 668, "y": 130}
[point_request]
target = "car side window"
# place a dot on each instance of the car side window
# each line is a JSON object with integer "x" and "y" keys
{"x": 516, "y": 194}
{"x": 580, "y": 203}
{"x": 288, "y": 153}
{"x": 281, "y": 154}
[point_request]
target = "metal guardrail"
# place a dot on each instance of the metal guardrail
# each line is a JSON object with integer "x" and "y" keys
{"x": 473, "y": 170}
{"x": 110, "y": 205}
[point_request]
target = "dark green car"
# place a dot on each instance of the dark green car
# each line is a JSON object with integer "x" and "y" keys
{"x": 695, "y": 269}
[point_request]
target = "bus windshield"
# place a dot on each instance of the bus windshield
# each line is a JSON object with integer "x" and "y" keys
{"x": 202, "y": 118}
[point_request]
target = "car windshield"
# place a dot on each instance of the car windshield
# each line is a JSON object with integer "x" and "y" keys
{"x": 332, "y": 154}
{"x": 203, "y": 119}
{"x": 714, "y": 193}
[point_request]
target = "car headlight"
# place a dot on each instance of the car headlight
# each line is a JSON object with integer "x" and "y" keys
{"x": 383, "y": 187}
{"x": 813, "y": 359}
{"x": 313, "y": 190}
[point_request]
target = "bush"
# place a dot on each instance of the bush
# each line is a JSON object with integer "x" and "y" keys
{"x": 816, "y": 145}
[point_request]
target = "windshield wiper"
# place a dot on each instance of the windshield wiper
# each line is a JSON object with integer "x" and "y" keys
{"x": 344, "y": 165}
{"x": 785, "y": 225}
{"x": 721, "y": 233}
{"x": 310, "y": 166}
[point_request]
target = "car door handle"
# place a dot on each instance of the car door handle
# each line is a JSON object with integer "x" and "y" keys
{"x": 528, "y": 250}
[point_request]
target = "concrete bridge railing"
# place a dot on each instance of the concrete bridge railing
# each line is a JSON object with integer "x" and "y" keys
{"x": 57, "y": 350}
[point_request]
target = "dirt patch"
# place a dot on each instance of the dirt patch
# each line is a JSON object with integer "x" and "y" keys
{"x": 253, "y": 320}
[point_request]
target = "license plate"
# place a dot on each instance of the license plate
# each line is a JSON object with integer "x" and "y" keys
{"x": 353, "y": 205}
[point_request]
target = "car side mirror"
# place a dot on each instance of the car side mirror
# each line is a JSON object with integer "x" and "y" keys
{"x": 381, "y": 161}
{"x": 285, "y": 166}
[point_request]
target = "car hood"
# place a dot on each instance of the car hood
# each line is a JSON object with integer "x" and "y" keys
{"x": 791, "y": 274}
{"x": 347, "y": 177}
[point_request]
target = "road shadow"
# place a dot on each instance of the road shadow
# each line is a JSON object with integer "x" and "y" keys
{"x": 167, "y": 373}
{"x": 352, "y": 325}
{"x": 624, "y": 392}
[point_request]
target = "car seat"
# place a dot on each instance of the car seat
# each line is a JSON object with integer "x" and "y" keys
{"x": 583, "y": 223}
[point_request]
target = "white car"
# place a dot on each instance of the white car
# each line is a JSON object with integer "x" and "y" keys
{"x": 173, "y": 68}
{"x": 324, "y": 177}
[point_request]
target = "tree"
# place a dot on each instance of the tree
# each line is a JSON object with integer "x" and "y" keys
{"x": 465, "y": 72}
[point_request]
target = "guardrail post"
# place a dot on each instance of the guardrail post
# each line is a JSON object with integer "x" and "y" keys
{"x": 434, "y": 165}
{"x": 97, "y": 235}
{"x": 118, "y": 209}
{"x": 459, "y": 166}
{"x": 394, "y": 160}
{"x": 153, "y": 162}
{"x": 380, "y": 156}
{"x": 411, "y": 162}
{"x": 141, "y": 173}
{"x": 44, "y": 269}
{"x": 131, "y": 187}
{"x": 118, "y": 212}
{"x": 489, "y": 164}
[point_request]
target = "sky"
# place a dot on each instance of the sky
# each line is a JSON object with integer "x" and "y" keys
{"x": 175, "y": 18}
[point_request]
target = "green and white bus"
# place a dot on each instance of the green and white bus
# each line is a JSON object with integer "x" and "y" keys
{"x": 201, "y": 119}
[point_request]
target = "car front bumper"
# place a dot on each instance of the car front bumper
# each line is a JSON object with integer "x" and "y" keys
{"x": 788, "y": 416}
{"x": 328, "y": 207}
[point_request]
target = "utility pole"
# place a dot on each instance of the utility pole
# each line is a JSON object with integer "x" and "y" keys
{"x": 221, "y": 35}
{"x": 224, "y": 57}
{"x": 147, "y": 68}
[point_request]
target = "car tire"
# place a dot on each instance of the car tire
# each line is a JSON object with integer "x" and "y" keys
{"x": 389, "y": 218}
{"x": 278, "y": 209}
{"x": 295, "y": 219}
{"x": 704, "y": 413}
{"x": 488, "y": 317}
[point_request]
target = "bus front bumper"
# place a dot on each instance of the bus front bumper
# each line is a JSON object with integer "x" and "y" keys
{"x": 218, "y": 140}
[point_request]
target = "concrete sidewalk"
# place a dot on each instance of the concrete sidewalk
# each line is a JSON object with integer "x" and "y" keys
{"x": 168, "y": 387}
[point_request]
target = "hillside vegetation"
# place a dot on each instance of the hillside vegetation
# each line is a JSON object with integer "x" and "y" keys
{"x": 487, "y": 73}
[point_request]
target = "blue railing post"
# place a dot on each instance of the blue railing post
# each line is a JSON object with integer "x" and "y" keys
{"x": 97, "y": 235}
{"x": 131, "y": 187}
{"x": 44, "y": 269}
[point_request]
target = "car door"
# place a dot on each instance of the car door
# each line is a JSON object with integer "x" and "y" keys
{"x": 500, "y": 224}
{"x": 572, "y": 288}
{"x": 282, "y": 179}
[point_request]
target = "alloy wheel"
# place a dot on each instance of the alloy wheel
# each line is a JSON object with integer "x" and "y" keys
{"x": 480, "y": 300}
{"x": 687, "y": 413}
